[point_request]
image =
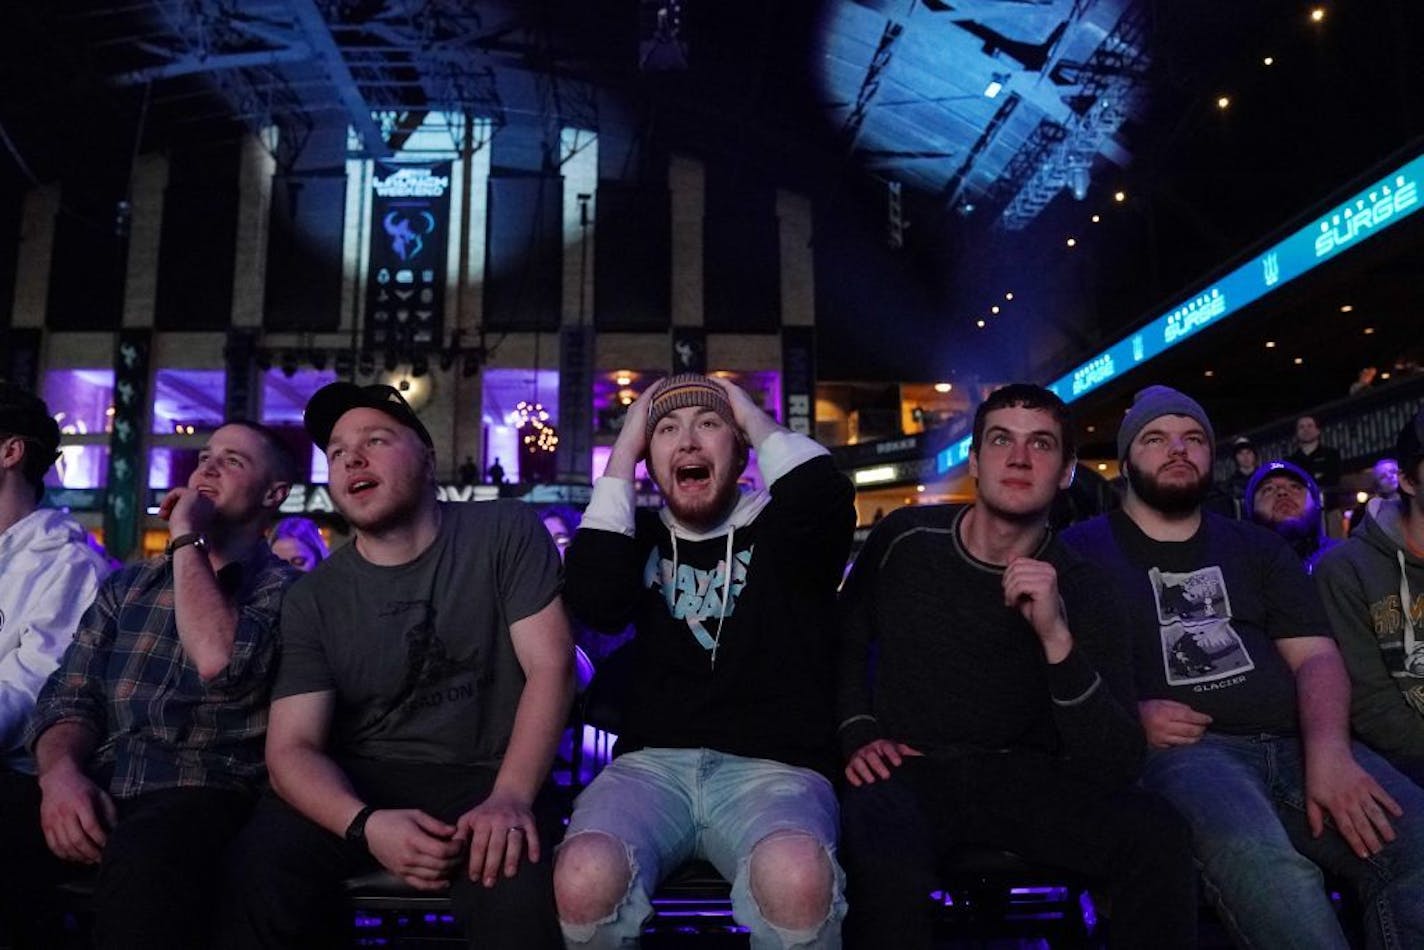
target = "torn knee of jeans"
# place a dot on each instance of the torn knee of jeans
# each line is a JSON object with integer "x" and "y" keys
{"x": 798, "y": 931}
{"x": 581, "y": 931}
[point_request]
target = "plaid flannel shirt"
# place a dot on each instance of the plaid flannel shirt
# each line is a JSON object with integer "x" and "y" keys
{"x": 127, "y": 677}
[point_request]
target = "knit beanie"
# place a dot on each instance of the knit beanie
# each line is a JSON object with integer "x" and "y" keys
{"x": 683, "y": 391}
{"x": 1154, "y": 402}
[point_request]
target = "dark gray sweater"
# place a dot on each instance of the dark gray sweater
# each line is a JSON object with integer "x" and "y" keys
{"x": 931, "y": 656}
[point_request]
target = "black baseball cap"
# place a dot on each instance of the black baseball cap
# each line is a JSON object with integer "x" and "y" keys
{"x": 1409, "y": 447}
{"x": 24, "y": 414}
{"x": 334, "y": 400}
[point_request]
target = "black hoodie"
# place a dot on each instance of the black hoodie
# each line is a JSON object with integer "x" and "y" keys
{"x": 740, "y": 661}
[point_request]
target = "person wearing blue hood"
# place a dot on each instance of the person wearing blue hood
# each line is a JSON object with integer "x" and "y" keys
{"x": 727, "y": 746}
{"x": 1282, "y": 497}
{"x": 1373, "y": 588}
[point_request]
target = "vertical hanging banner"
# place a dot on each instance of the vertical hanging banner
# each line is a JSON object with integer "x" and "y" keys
{"x": 575, "y": 461}
{"x": 798, "y": 379}
{"x": 240, "y": 360}
{"x": 122, "y": 499}
{"x": 689, "y": 350}
{"x": 405, "y": 274}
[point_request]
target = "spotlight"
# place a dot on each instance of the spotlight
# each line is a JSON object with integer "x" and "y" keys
{"x": 1119, "y": 196}
{"x": 1072, "y": 242}
{"x": 1078, "y": 181}
{"x": 1223, "y": 102}
{"x": 1317, "y": 15}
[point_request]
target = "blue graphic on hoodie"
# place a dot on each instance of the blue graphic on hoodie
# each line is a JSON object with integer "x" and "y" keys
{"x": 695, "y": 595}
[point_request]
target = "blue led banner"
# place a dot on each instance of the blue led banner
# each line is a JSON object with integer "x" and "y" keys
{"x": 1366, "y": 214}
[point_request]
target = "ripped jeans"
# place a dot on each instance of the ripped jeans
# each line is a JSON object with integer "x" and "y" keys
{"x": 671, "y": 805}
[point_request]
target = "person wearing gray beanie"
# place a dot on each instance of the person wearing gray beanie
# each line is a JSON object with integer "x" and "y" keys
{"x": 1155, "y": 402}
{"x": 1245, "y": 703}
{"x": 1156, "y": 479}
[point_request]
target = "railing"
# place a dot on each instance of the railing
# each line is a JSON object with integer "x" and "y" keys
{"x": 1362, "y": 427}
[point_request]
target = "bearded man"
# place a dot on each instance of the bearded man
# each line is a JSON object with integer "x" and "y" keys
{"x": 1284, "y": 498}
{"x": 1252, "y": 745}
{"x": 728, "y": 742}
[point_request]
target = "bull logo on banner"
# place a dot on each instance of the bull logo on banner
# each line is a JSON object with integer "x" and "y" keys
{"x": 406, "y": 241}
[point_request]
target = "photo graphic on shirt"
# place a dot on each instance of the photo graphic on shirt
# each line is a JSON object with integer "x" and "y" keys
{"x": 696, "y": 595}
{"x": 1199, "y": 645}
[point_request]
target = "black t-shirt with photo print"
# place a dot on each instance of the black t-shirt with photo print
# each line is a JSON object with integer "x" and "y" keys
{"x": 1203, "y": 614}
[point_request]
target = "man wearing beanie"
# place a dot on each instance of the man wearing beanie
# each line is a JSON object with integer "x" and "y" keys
{"x": 425, "y": 679}
{"x": 727, "y": 743}
{"x": 1373, "y": 588}
{"x": 48, "y": 576}
{"x": 1245, "y": 703}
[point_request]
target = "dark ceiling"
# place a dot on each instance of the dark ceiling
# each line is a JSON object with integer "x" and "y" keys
{"x": 865, "y": 106}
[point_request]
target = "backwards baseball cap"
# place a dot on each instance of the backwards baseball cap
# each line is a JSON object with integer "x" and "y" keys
{"x": 684, "y": 391}
{"x": 24, "y": 414}
{"x": 1409, "y": 447}
{"x": 1155, "y": 402}
{"x": 334, "y": 400}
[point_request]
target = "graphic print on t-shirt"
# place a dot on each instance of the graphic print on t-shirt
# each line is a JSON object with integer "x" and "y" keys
{"x": 696, "y": 595}
{"x": 428, "y": 663}
{"x": 1199, "y": 645}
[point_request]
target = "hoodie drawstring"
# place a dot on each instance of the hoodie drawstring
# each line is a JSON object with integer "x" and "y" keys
{"x": 726, "y": 595}
{"x": 1405, "y": 602}
{"x": 726, "y": 587}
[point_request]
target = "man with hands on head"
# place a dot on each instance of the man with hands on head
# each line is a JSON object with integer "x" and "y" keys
{"x": 425, "y": 678}
{"x": 726, "y": 745}
{"x": 148, "y": 737}
{"x": 986, "y": 699}
{"x": 1245, "y": 703}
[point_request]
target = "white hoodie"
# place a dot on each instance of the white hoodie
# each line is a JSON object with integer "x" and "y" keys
{"x": 48, "y": 577}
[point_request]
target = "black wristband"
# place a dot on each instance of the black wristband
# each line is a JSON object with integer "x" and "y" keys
{"x": 356, "y": 831}
{"x": 196, "y": 538}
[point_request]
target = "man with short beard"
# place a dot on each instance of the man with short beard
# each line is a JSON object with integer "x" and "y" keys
{"x": 727, "y": 745}
{"x": 1283, "y": 498}
{"x": 425, "y": 680}
{"x": 1247, "y": 722}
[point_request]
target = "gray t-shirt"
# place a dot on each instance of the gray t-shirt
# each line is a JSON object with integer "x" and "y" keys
{"x": 419, "y": 655}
